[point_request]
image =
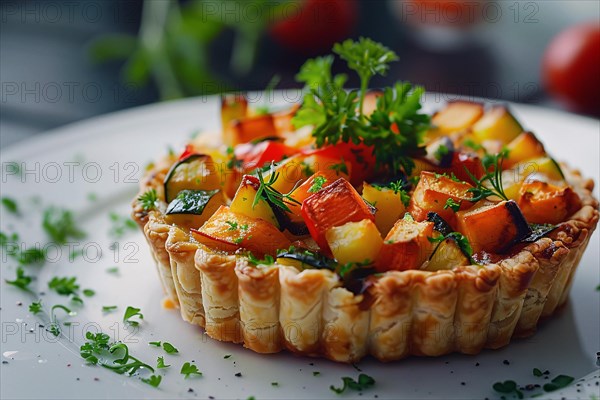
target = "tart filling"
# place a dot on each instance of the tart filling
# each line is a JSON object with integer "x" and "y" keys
{"x": 393, "y": 233}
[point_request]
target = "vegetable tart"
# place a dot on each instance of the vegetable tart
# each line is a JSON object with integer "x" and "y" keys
{"x": 355, "y": 224}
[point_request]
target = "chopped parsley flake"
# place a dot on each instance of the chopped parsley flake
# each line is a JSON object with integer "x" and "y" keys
{"x": 160, "y": 363}
{"x": 452, "y": 204}
{"x": 156, "y": 344}
{"x": 120, "y": 225}
{"x": 22, "y": 281}
{"x": 131, "y": 312}
{"x": 153, "y": 380}
{"x": 107, "y": 309}
{"x": 537, "y": 372}
{"x": 169, "y": 348}
{"x": 559, "y": 382}
{"x": 226, "y": 356}
{"x": 189, "y": 369}
{"x": 318, "y": 183}
{"x": 88, "y": 292}
{"x": 364, "y": 382}
{"x": 65, "y": 286}
{"x": 60, "y": 225}
{"x": 35, "y": 307}
{"x": 10, "y": 205}
{"x": 508, "y": 387}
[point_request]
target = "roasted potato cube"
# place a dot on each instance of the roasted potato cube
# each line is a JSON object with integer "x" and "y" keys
{"x": 406, "y": 246}
{"x": 457, "y": 115}
{"x": 227, "y": 230}
{"x": 253, "y": 128}
{"x": 243, "y": 201}
{"x": 542, "y": 202}
{"x": 522, "y": 148}
{"x": 493, "y": 228}
{"x": 446, "y": 255}
{"x": 354, "y": 242}
{"x": 388, "y": 204}
{"x": 234, "y": 107}
{"x": 432, "y": 194}
{"x": 497, "y": 124}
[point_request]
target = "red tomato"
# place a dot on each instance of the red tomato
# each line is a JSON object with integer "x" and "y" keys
{"x": 256, "y": 155}
{"x": 463, "y": 162}
{"x": 189, "y": 149}
{"x": 571, "y": 67}
{"x": 359, "y": 156}
{"x": 313, "y": 26}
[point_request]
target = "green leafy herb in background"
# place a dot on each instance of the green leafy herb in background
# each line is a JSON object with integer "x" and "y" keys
{"x": 10, "y": 205}
{"x": 153, "y": 380}
{"x": 35, "y": 307}
{"x": 174, "y": 43}
{"x": 160, "y": 363}
{"x": 120, "y": 225}
{"x": 21, "y": 281}
{"x": 60, "y": 225}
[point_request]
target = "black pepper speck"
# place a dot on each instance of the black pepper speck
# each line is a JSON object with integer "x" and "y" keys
{"x": 238, "y": 374}
{"x": 4, "y": 362}
{"x": 19, "y": 303}
{"x": 506, "y": 362}
{"x": 190, "y": 390}
{"x": 477, "y": 364}
{"x": 96, "y": 379}
{"x": 463, "y": 383}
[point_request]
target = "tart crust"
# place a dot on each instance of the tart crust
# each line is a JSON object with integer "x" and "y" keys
{"x": 402, "y": 313}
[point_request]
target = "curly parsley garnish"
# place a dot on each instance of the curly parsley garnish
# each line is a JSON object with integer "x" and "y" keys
{"x": 394, "y": 130}
{"x": 10, "y": 205}
{"x": 148, "y": 199}
{"x": 452, "y": 204}
{"x": 35, "y": 307}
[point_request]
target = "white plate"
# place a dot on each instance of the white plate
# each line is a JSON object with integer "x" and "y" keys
{"x": 111, "y": 152}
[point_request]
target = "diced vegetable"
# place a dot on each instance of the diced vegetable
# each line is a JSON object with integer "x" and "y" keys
{"x": 463, "y": 162}
{"x": 388, "y": 204}
{"x": 354, "y": 242}
{"x": 440, "y": 152}
{"x": 457, "y": 115}
{"x": 370, "y": 102}
{"x": 497, "y": 124}
{"x": 543, "y": 169}
{"x": 360, "y": 158}
{"x": 233, "y": 107}
{"x": 302, "y": 259}
{"x": 406, "y": 246}
{"x": 243, "y": 202}
{"x": 493, "y": 228}
{"x": 257, "y": 155}
{"x": 446, "y": 255}
{"x": 227, "y": 230}
{"x": 253, "y": 128}
{"x": 432, "y": 194}
{"x": 546, "y": 166}
{"x": 524, "y": 147}
{"x": 333, "y": 206}
{"x": 194, "y": 172}
{"x": 542, "y": 202}
{"x": 191, "y": 208}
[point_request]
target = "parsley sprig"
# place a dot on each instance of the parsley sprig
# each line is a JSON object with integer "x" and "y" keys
{"x": 394, "y": 130}
{"x": 367, "y": 58}
{"x": 148, "y": 199}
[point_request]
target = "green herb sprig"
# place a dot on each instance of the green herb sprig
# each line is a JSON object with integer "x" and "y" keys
{"x": 489, "y": 184}
{"x": 148, "y": 199}
{"x": 131, "y": 312}
{"x": 267, "y": 192}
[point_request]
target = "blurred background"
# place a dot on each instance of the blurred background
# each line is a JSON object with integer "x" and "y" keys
{"x": 66, "y": 60}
